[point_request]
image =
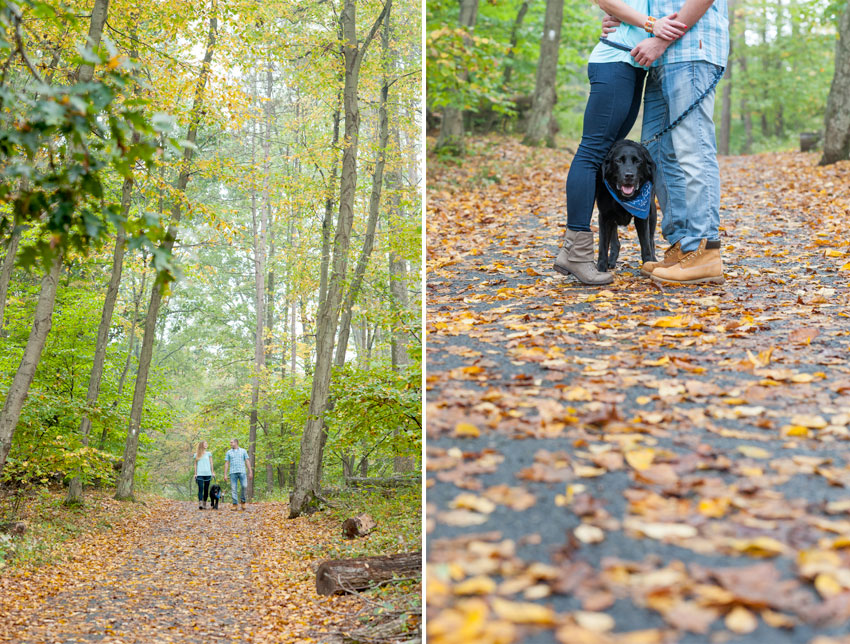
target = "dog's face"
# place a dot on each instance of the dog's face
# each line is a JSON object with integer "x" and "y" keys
{"x": 627, "y": 167}
{"x": 215, "y": 491}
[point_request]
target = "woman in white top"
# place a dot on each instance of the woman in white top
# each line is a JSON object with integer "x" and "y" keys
{"x": 203, "y": 473}
{"x": 616, "y": 89}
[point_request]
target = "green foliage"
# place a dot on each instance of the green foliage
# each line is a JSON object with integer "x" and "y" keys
{"x": 57, "y": 142}
{"x": 376, "y": 411}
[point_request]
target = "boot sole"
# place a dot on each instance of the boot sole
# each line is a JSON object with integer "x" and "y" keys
{"x": 701, "y": 280}
{"x": 564, "y": 271}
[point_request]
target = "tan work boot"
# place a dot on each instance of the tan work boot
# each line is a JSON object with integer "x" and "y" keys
{"x": 698, "y": 266}
{"x": 576, "y": 258}
{"x": 242, "y": 506}
{"x": 671, "y": 256}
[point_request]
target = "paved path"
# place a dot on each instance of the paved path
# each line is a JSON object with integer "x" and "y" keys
{"x": 185, "y": 577}
{"x": 600, "y": 461}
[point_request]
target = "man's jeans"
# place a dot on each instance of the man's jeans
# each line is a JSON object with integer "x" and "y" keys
{"x": 241, "y": 477}
{"x": 687, "y": 177}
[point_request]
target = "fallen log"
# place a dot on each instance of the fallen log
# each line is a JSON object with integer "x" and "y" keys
{"x": 389, "y": 481}
{"x": 340, "y": 576}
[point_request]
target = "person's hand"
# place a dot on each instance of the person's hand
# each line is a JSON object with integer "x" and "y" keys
{"x": 669, "y": 28}
{"x": 649, "y": 50}
{"x": 609, "y": 24}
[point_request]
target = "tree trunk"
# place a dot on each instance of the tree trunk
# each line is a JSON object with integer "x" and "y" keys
{"x": 329, "y": 206}
{"x": 124, "y": 489}
{"x": 6, "y": 273}
{"x": 339, "y": 576}
{"x": 450, "y": 139}
{"x": 75, "y": 489}
{"x": 725, "y": 133}
{"x": 260, "y": 242}
{"x": 98, "y": 19}
{"x": 511, "y": 57}
{"x": 307, "y": 485}
{"x": 374, "y": 208}
{"x": 540, "y": 121}
{"x": 836, "y": 145}
{"x": 745, "y": 114}
{"x": 17, "y": 393}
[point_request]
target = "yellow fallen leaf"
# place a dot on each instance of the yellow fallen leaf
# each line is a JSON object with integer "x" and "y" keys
{"x": 714, "y": 508}
{"x": 831, "y": 252}
{"x": 846, "y": 267}
{"x": 585, "y": 471}
{"x": 795, "y": 430}
{"x": 827, "y": 585}
{"x": 467, "y": 430}
{"x": 812, "y": 421}
{"x": 589, "y": 533}
{"x": 672, "y": 322}
{"x": 751, "y": 451}
{"x": 467, "y": 501}
{"x": 800, "y": 378}
{"x": 593, "y": 621}
{"x": 640, "y": 459}
{"x": 480, "y": 585}
{"x": 778, "y": 620}
{"x": 841, "y": 542}
{"x": 741, "y": 621}
{"x": 759, "y": 547}
{"x": 523, "y": 612}
{"x": 656, "y": 363}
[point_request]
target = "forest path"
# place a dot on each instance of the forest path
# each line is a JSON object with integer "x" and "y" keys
{"x": 631, "y": 464}
{"x": 183, "y": 577}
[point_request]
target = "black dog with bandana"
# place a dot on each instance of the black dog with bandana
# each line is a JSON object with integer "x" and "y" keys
{"x": 625, "y": 191}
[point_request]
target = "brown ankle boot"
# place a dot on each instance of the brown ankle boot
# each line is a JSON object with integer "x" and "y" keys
{"x": 576, "y": 258}
{"x": 671, "y": 256}
{"x": 698, "y": 266}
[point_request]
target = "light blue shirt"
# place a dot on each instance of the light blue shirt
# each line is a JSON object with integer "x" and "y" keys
{"x": 236, "y": 458}
{"x": 626, "y": 34}
{"x": 707, "y": 40}
{"x": 204, "y": 467}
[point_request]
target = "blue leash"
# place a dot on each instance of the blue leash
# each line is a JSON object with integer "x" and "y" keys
{"x": 718, "y": 74}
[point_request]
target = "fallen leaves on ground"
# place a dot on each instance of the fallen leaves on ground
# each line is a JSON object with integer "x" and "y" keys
{"x": 686, "y": 448}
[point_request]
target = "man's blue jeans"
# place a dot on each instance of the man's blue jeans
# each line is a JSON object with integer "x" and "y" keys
{"x": 611, "y": 111}
{"x": 687, "y": 178}
{"x": 241, "y": 477}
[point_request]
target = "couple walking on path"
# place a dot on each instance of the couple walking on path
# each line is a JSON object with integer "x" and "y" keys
{"x": 681, "y": 61}
{"x": 236, "y": 464}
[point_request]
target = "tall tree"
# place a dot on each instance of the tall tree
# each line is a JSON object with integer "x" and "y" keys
{"x": 451, "y": 129}
{"x": 836, "y": 145}
{"x": 126, "y": 479}
{"x": 540, "y": 121}
{"x": 47, "y": 294}
{"x": 307, "y": 486}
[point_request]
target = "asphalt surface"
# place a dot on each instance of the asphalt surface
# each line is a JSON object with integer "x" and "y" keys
{"x": 533, "y": 361}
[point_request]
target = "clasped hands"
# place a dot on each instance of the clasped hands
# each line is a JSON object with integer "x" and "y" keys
{"x": 647, "y": 51}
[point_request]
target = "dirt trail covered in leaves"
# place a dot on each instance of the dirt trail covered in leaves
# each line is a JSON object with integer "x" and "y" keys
{"x": 631, "y": 464}
{"x": 173, "y": 573}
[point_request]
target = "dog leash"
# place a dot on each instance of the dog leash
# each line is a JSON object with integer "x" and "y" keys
{"x": 718, "y": 74}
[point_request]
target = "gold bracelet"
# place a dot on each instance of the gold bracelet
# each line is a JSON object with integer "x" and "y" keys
{"x": 649, "y": 24}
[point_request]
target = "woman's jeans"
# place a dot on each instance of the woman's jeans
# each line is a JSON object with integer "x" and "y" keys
{"x": 612, "y": 108}
{"x": 203, "y": 487}
{"x": 241, "y": 477}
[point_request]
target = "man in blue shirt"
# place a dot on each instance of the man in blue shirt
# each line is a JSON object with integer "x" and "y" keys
{"x": 687, "y": 173}
{"x": 236, "y": 460}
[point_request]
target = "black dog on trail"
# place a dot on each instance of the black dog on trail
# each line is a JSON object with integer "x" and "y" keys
{"x": 624, "y": 190}
{"x": 215, "y": 495}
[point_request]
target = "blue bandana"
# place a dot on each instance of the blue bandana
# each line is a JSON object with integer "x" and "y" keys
{"x": 637, "y": 206}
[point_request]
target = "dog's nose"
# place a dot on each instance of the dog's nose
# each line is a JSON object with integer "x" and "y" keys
{"x": 629, "y": 176}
